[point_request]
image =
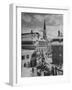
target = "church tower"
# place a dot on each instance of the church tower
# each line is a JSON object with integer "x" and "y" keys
{"x": 44, "y": 31}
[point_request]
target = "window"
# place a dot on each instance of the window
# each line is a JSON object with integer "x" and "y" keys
{"x": 23, "y": 57}
{"x": 27, "y": 56}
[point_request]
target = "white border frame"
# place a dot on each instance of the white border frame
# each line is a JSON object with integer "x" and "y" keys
{"x": 15, "y": 44}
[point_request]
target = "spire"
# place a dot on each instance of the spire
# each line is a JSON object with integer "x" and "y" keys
{"x": 44, "y": 25}
{"x": 44, "y": 31}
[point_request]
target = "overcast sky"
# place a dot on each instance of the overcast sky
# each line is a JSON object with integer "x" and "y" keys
{"x": 35, "y": 22}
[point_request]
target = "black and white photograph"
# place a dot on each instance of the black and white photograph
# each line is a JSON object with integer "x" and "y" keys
{"x": 41, "y": 44}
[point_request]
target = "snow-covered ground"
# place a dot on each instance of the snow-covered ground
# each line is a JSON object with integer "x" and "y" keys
{"x": 27, "y": 72}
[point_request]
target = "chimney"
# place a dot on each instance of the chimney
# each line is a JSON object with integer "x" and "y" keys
{"x": 58, "y": 33}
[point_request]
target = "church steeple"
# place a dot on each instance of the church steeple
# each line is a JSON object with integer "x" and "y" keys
{"x": 44, "y": 25}
{"x": 44, "y": 31}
